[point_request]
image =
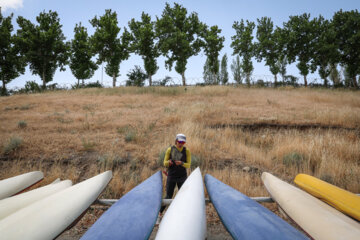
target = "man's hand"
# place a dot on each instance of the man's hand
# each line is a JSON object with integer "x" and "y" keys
{"x": 170, "y": 163}
{"x": 178, "y": 163}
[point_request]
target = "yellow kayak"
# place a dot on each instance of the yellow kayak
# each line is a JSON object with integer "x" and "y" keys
{"x": 342, "y": 200}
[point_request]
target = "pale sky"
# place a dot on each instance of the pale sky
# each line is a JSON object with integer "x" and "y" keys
{"x": 221, "y": 13}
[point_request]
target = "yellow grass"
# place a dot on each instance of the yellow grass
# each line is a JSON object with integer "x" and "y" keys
{"x": 77, "y": 134}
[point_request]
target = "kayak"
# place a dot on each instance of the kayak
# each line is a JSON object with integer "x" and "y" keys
{"x": 50, "y": 216}
{"x": 12, "y": 204}
{"x": 243, "y": 217}
{"x": 315, "y": 217}
{"x": 14, "y": 185}
{"x": 342, "y": 200}
{"x": 133, "y": 216}
{"x": 185, "y": 218}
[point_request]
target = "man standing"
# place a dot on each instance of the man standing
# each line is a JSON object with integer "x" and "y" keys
{"x": 177, "y": 159}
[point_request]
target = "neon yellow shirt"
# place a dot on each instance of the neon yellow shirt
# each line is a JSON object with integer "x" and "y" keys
{"x": 187, "y": 164}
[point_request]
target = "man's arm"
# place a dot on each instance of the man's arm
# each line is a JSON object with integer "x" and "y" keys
{"x": 187, "y": 164}
{"x": 167, "y": 157}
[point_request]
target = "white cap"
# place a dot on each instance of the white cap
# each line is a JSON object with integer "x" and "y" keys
{"x": 181, "y": 138}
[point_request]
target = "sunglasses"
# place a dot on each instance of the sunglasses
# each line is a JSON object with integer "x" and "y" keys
{"x": 181, "y": 142}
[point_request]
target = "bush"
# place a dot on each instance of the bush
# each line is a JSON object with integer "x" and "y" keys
{"x": 12, "y": 144}
{"x": 96, "y": 84}
{"x": 293, "y": 159}
{"x": 136, "y": 77}
{"x": 32, "y": 87}
{"x": 22, "y": 124}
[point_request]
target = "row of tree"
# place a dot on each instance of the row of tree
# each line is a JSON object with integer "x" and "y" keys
{"x": 313, "y": 43}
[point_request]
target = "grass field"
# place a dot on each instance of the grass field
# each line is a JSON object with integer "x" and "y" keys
{"x": 80, "y": 133}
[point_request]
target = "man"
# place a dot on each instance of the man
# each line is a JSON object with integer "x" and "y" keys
{"x": 177, "y": 159}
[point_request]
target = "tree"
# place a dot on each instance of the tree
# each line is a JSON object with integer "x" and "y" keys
{"x": 179, "y": 37}
{"x": 143, "y": 35}
{"x": 325, "y": 47}
{"x": 224, "y": 75}
{"x": 300, "y": 43}
{"x": 12, "y": 64}
{"x": 236, "y": 69}
{"x": 209, "y": 77}
{"x": 243, "y": 45}
{"x": 268, "y": 45}
{"x": 347, "y": 32}
{"x": 110, "y": 49}
{"x": 213, "y": 45}
{"x": 136, "y": 77}
{"x": 43, "y": 45}
{"x": 81, "y": 65}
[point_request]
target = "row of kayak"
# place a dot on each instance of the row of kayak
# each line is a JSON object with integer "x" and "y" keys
{"x": 46, "y": 212}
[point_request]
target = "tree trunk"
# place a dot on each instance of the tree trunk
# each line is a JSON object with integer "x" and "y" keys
{"x": 183, "y": 78}
{"x": 305, "y": 81}
{"x": 150, "y": 80}
{"x": 44, "y": 80}
{"x": 83, "y": 82}
{"x": 354, "y": 82}
{"x": 114, "y": 80}
{"x": 3, "y": 90}
{"x": 275, "y": 77}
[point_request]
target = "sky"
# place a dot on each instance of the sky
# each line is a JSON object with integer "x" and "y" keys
{"x": 211, "y": 12}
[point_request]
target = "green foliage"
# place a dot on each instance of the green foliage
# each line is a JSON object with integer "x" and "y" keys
{"x": 110, "y": 49}
{"x": 12, "y": 63}
{"x": 243, "y": 45}
{"x": 143, "y": 44}
{"x": 346, "y": 25}
{"x": 213, "y": 45}
{"x": 293, "y": 159}
{"x": 179, "y": 38}
{"x": 81, "y": 65}
{"x": 224, "y": 75}
{"x": 163, "y": 82}
{"x": 43, "y": 45}
{"x": 300, "y": 43}
{"x": 209, "y": 77}
{"x": 136, "y": 77}
{"x": 12, "y": 144}
{"x": 96, "y": 84}
{"x": 268, "y": 45}
{"x": 236, "y": 69}
{"x": 32, "y": 87}
{"x": 22, "y": 124}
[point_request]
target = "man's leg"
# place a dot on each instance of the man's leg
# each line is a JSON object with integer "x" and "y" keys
{"x": 170, "y": 187}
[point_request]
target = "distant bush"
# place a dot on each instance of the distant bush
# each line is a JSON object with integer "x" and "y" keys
{"x": 22, "y": 124}
{"x": 96, "y": 84}
{"x": 293, "y": 159}
{"x": 136, "y": 77}
{"x": 32, "y": 87}
{"x": 12, "y": 144}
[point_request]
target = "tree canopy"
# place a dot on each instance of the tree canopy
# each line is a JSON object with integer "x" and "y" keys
{"x": 110, "y": 48}
{"x": 81, "y": 64}
{"x": 179, "y": 36}
{"x": 43, "y": 45}
{"x": 12, "y": 64}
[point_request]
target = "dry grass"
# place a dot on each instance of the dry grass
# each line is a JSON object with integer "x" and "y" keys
{"x": 77, "y": 134}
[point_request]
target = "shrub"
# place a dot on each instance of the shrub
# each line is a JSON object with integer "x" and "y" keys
{"x": 136, "y": 77}
{"x": 32, "y": 87}
{"x": 293, "y": 159}
{"x": 12, "y": 144}
{"x": 88, "y": 145}
{"x": 22, "y": 124}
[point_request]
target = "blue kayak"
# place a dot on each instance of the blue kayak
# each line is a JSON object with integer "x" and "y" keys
{"x": 244, "y": 218}
{"x": 133, "y": 216}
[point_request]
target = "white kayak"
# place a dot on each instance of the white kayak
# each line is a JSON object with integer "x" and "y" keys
{"x": 49, "y": 217}
{"x": 315, "y": 217}
{"x": 13, "y": 185}
{"x": 12, "y": 204}
{"x": 185, "y": 217}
